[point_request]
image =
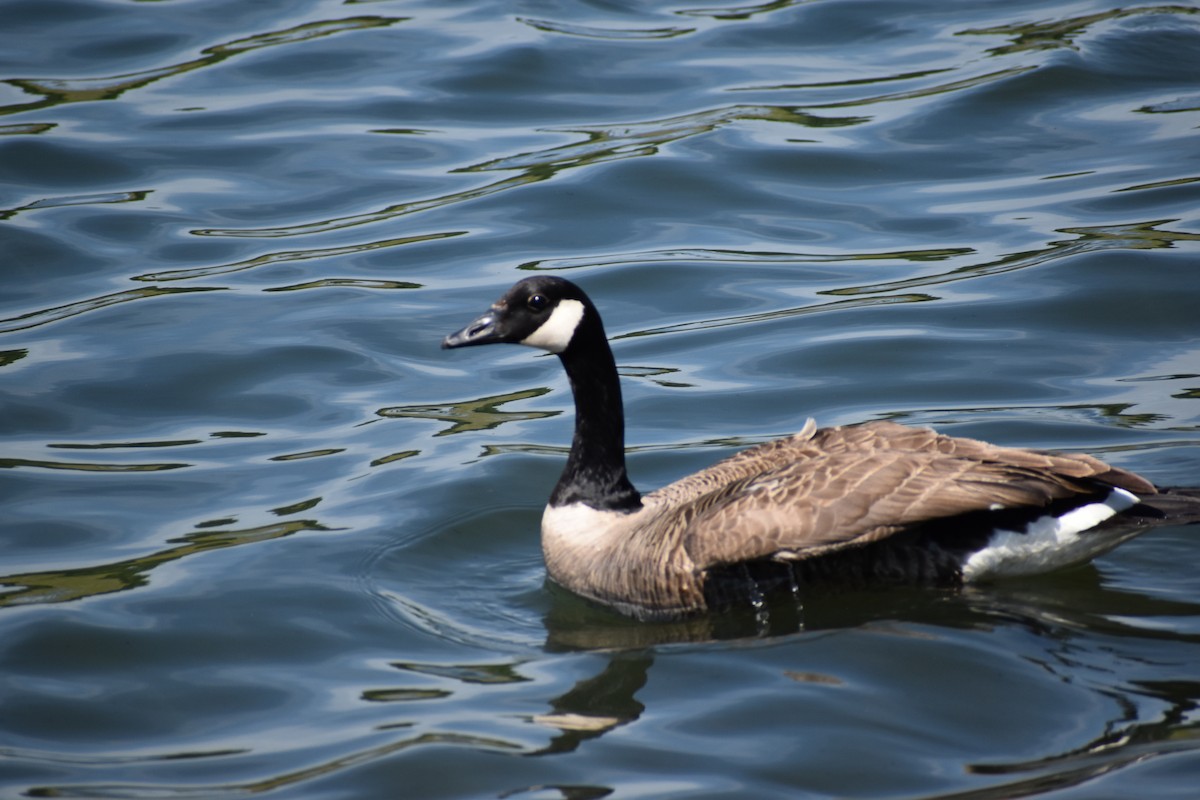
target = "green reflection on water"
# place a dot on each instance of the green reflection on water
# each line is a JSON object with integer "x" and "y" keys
{"x": 74, "y": 584}
{"x": 81, "y": 90}
{"x": 473, "y": 415}
{"x": 1051, "y": 34}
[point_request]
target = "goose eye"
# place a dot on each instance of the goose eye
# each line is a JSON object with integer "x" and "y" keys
{"x": 537, "y": 302}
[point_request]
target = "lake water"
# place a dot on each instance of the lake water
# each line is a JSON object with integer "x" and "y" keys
{"x": 260, "y": 535}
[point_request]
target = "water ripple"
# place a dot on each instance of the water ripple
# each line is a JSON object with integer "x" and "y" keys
{"x": 80, "y": 466}
{"x": 35, "y": 318}
{"x": 1054, "y": 34}
{"x": 1133, "y": 236}
{"x": 290, "y": 255}
{"x": 750, "y": 166}
{"x": 56, "y": 91}
{"x": 723, "y": 256}
{"x": 355, "y": 283}
{"x": 592, "y": 32}
{"x": 972, "y": 82}
{"x": 740, "y": 12}
{"x": 603, "y": 144}
{"x": 61, "y": 586}
{"x": 778, "y": 314}
{"x": 78, "y": 200}
{"x": 274, "y": 782}
{"x": 472, "y": 415}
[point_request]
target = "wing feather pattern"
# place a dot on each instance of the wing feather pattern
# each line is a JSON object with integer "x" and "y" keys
{"x": 828, "y": 489}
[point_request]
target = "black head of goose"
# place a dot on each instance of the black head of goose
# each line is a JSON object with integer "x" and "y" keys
{"x": 876, "y": 502}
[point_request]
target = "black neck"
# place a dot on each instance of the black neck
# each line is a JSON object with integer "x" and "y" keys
{"x": 595, "y": 472}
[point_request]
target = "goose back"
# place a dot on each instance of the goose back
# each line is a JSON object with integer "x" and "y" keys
{"x": 847, "y": 486}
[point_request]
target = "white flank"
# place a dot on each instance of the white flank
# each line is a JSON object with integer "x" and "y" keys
{"x": 555, "y": 333}
{"x": 1049, "y": 542}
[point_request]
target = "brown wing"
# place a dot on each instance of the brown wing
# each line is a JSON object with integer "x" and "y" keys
{"x": 854, "y": 485}
{"x": 747, "y": 463}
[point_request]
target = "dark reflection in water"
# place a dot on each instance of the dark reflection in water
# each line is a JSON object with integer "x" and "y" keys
{"x": 597, "y": 705}
{"x": 574, "y": 624}
{"x": 1053, "y": 612}
{"x": 1048, "y": 605}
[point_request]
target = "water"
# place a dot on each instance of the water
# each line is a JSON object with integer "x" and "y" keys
{"x": 260, "y": 535}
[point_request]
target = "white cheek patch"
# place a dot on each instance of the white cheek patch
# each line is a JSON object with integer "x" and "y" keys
{"x": 555, "y": 333}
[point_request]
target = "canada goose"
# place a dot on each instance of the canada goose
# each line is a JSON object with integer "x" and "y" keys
{"x": 864, "y": 503}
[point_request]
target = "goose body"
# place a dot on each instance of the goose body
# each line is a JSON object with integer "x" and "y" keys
{"x": 876, "y": 502}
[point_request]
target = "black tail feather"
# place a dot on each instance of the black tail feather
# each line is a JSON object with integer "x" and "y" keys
{"x": 1173, "y": 505}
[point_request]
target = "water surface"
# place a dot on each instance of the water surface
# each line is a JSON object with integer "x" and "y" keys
{"x": 260, "y": 535}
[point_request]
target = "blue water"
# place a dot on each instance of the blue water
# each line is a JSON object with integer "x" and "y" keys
{"x": 260, "y": 535}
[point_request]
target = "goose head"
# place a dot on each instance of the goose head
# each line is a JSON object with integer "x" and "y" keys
{"x": 544, "y": 312}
